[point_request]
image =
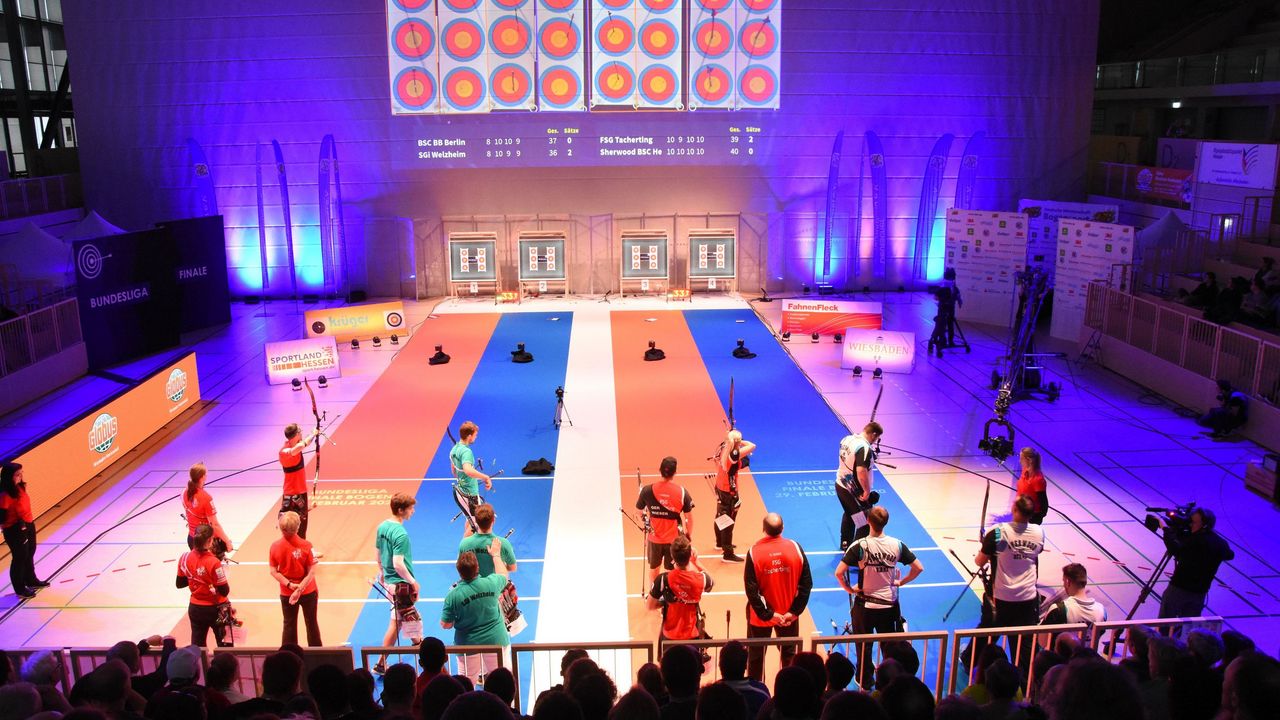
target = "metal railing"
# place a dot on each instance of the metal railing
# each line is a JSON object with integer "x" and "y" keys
{"x": 1020, "y": 643}
{"x": 931, "y": 663}
{"x": 250, "y": 659}
{"x": 1233, "y": 65}
{"x": 28, "y": 339}
{"x": 82, "y": 661}
{"x": 20, "y": 656}
{"x": 1105, "y": 637}
{"x": 1174, "y": 334}
{"x": 21, "y": 197}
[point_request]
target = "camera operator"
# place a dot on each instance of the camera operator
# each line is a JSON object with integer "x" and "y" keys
{"x": 853, "y": 481}
{"x": 1232, "y": 411}
{"x": 1197, "y": 552}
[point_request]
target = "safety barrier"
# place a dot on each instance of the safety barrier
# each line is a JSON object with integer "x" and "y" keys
{"x": 28, "y": 339}
{"x": 456, "y": 655}
{"x": 250, "y": 660}
{"x": 21, "y": 197}
{"x": 82, "y": 661}
{"x": 19, "y": 657}
{"x": 921, "y": 641}
{"x": 1020, "y": 643}
{"x": 1113, "y": 629}
{"x": 537, "y": 665}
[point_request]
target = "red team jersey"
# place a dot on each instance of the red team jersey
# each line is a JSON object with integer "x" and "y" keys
{"x": 199, "y": 509}
{"x": 293, "y": 558}
{"x": 16, "y": 509}
{"x": 680, "y": 591}
{"x": 777, "y": 573}
{"x": 1032, "y": 484}
{"x": 204, "y": 573}
{"x": 665, "y": 501}
{"x": 295, "y": 473}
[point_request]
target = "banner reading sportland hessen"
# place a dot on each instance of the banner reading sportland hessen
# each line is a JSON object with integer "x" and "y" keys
{"x": 828, "y": 317}
{"x": 126, "y": 287}
{"x": 358, "y": 321}
{"x": 62, "y": 463}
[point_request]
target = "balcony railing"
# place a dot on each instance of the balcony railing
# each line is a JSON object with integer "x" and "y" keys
{"x": 1234, "y": 65}
{"x": 21, "y": 197}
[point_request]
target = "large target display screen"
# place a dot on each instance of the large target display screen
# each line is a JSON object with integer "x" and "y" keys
{"x": 498, "y": 83}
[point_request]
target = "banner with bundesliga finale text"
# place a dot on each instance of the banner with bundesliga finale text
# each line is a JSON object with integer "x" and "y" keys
{"x": 1087, "y": 251}
{"x": 357, "y": 321}
{"x": 59, "y": 465}
{"x": 828, "y": 317}
{"x": 987, "y": 249}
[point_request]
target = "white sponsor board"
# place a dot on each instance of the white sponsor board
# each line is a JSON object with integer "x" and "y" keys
{"x": 309, "y": 358}
{"x": 1087, "y": 251}
{"x": 986, "y": 249}
{"x": 1243, "y": 165}
{"x": 889, "y": 350}
{"x": 1042, "y": 225}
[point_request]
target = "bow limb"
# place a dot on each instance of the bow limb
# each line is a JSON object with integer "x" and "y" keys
{"x": 315, "y": 410}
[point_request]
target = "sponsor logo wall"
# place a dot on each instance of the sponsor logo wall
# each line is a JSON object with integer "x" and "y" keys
{"x": 828, "y": 317}
{"x": 1042, "y": 225}
{"x": 1087, "y": 251}
{"x": 986, "y": 249}
{"x": 62, "y": 463}
{"x": 358, "y": 321}
{"x": 306, "y": 358}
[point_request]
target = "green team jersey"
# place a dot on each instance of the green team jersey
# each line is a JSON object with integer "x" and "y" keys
{"x": 479, "y": 544}
{"x": 392, "y": 539}
{"x": 460, "y": 455}
{"x": 472, "y": 607}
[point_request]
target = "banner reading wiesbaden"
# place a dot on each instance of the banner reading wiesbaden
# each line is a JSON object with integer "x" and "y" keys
{"x": 64, "y": 462}
{"x": 357, "y": 321}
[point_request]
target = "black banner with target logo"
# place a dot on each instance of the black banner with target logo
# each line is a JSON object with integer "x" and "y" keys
{"x": 126, "y": 288}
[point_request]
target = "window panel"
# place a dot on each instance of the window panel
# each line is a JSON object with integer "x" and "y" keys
{"x": 53, "y": 10}
{"x": 27, "y": 8}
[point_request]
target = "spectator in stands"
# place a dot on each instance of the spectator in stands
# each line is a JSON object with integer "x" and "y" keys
{"x": 397, "y": 691}
{"x": 131, "y": 654}
{"x": 18, "y": 701}
{"x": 637, "y": 704}
{"x": 1258, "y": 306}
{"x": 1267, "y": 276}
{"x": 281, "y": 676}
{"x": 433, "y": 699}
{"x": 733, "y": 672}
{"x": 301, "y": 706}
{"x": 776, "y": 599}
{"x": 44, "y": 670}
{"x": 956, "y": 707}
{"x": 360, "y": 687}
{"x": 223, "y": 677}
{"x": 106, "y": 688}
{"x": 1234, "y": 644}
{"x": 649, "y": 677}
{"x": 904, "y": 653}
{"x": 1072, "y": 604}
{"x": 1225, "y": 308}
{"x": 327, "y": 685}
{"x": 886, "y": 672}
{"x": 1251, "y": 688}
{"x": 567, "y": 660}
{"x": 1138, "y": 641}
{"x": 681, "y": 673}
{"x": 1093, "y": 690}
{"x": 1002, "y": 680}
{"x": 1163, "y": 653}
{"x": 977, "y": 691}
{"x": 556, "y": 704}
{"x": 177, "y": 706}
{"x": 839, "y": 674}
{"x": 812, "y": 663}
{"x": 502, "y": 683}
{"x": 1195, "y": 690}
{"x": 579, "y": 669}
{"x": 718, "y": 701}
{"x": 1045, "y": 661}
{"x": 1206, "y": 645}
{"x": 477, "y": 706}
{"x": 1197, "y": 554}
{"x": 432, "y": 658}
{"x": 1203, "y": 295}
{"x": 907, "y": 698}
{"x": 6, "y": 668}
{"x": 795, "y": 696}
{"x": 596, "y": 693}
{"x": 1066, "y": 645}
{"x": 847, "y": 704}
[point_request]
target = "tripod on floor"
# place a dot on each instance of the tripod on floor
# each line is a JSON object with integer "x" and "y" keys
{"x": 945, "y": 330}
{"x": 561, "y": 413}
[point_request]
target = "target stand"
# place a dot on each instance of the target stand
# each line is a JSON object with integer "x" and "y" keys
{"x": 473, "y": 264}
{"x": 713, "y": 261}
{"x": 644, "y": 268}
{"x": 541, "y": 264}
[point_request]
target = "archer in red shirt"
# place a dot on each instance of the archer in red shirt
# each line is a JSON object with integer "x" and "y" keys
{"x": 200, "y": 571}
{"x": 295, "y": 474}
{"x": 679, "y": 592}
{"x": 197, "y": 505}
{"x": 293, "y": 564}
{"x": 1031, "y": 483}
{"x": 669, "y": 508}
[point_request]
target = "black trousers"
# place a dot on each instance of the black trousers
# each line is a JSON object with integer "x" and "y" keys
{"x": 755, "y": 653}
{"x": 849, "y": 505}
{"x": 726, "y": 504}
{"x": 1011, "y": 613}
{"x": 308, "y": 604}
{"x": 21, "y": 539}
{"x": 301, "y": 505}
{"x": 871, "y": 620}
{"x": 203, "y": 619}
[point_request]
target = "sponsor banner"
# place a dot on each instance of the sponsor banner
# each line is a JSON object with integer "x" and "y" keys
{"x": 300, "y": 359}
{"x": 62, "y": 463}
{"x": 203, "y": 294}
{"x": 1243, "y": 165}
{"x": 1163, "y": 184}
{"x": 986, "y": 249}
{"x": 828, "y": 317}
{"x": 1087, "y": 251}
{"x": 126, "y": 287}
{"x": 1042, "y": 225}
{"x": 891, "y": 351}
{"x": 357, "y": 321}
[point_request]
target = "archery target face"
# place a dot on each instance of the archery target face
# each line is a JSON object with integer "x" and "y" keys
{"x": 411, "y": 6}
{"x": 510, "y": 4}
{"x": 463, "y": 40}
{"x": 511, "y": 85}
{"x": 415, "y": 89}
{"x": 658, "y": 84}
{"x": 464, "y": 88}
{"x": 711, "y": 84}
{"x": 658, "y": 5}
{"x": 658, "y": 39}
{"x": 615, "y": 36}
{"x": 414, "y": 40}
{"x": 560, "y": 86}
{"x": 758, "y": 85}
{"x": 616, "y": 4}
{"x": 559, "y": 5}
{"x": 615, "y": 81}
{"x": 510, "y": 36}
{"x": 559, "y": 39}
{"x": 758, "y": 39}
{"x": 713, "y": 38}
{"x": 759, "y": 6}
{"x": 716, "y": 5}
{"x": 461, "y": 6}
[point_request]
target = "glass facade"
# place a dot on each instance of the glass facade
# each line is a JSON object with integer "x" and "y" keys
{"x": 44, "y": 52}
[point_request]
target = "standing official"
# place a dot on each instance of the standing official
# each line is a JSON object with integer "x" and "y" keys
{"x": 462, "y": 461}
{"x": 777, "y": 582}
{"x": 197, "y": 504}
{"x": 679, "y": 593}
{"x": 1013, "y": 549}
{"x": 395, "y": 561}
{"x": 732, "y": 458}
{"x": 294, "y": 465}
{"x": 19, "y": 531}
{"x": 293, "y": 564}
{"x": 875, "y": 598}
{"x": 854, "y": 477}
{"x": 471, "y": 610}
{"x": 200, "y": 571}
{"x": 667, "y": 505}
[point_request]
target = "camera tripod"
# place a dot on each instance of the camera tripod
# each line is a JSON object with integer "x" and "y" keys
{"x": 562, "y": 415}
{"x": 945, "y": 330}
{"x": 1149, "y": 586}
